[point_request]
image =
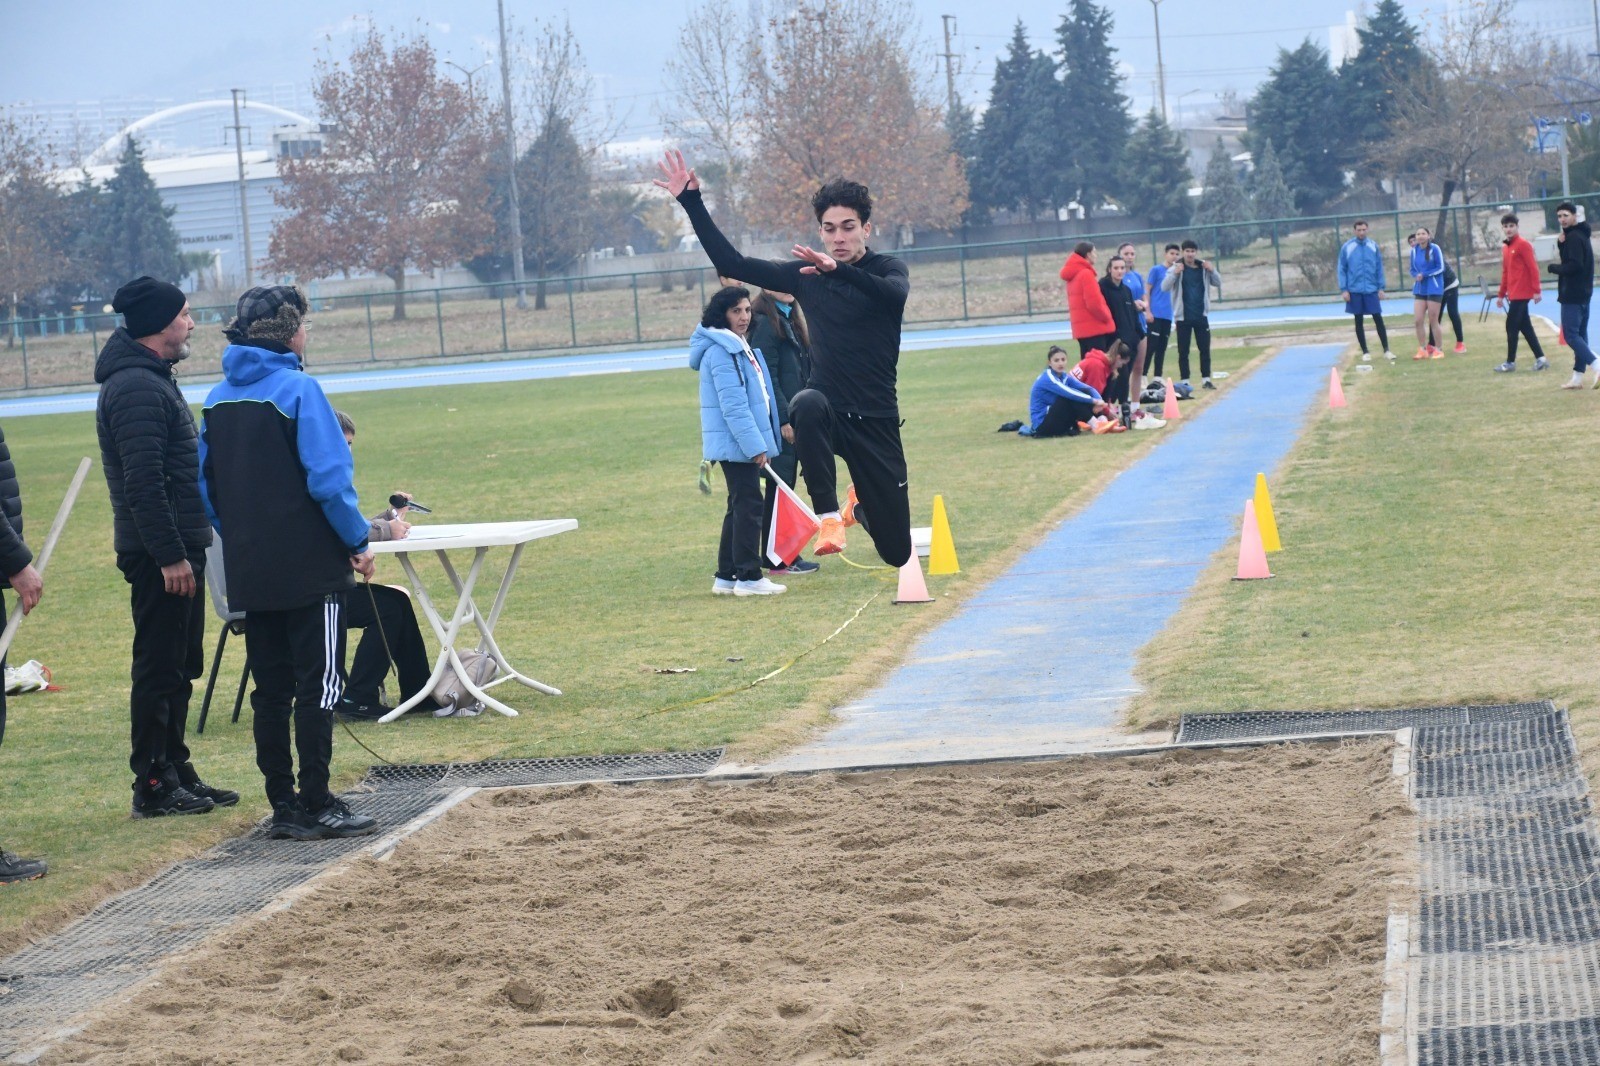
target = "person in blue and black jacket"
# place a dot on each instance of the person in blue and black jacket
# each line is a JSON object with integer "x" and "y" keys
{"x": 277, "y": 481}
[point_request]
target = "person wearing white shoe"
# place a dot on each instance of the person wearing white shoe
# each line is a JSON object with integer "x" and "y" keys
{"x": 1361, "y": 285}
{"x": 1574, "y": 289}
{"x": 739, "y": 423}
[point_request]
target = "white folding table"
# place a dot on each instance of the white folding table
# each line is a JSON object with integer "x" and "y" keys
{"x": 480, "y": 537}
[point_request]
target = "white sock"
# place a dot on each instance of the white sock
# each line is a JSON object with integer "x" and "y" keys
{"x": 1133, "y": 406}
{"x": 830, "y": 514}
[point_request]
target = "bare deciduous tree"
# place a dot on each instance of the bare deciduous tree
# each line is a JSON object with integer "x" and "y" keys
{"x": 35, "y": 219}
{"x": 400, "y": 182}
{"x": 710, "y": 107}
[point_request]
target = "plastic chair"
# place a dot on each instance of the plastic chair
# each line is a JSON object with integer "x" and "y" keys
{"x": 232, "y": 622}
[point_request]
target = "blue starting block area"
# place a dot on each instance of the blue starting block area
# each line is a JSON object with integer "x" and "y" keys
{"x": 1042, "y": 659}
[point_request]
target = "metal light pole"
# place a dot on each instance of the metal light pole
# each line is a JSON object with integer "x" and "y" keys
{"x": 950, "y": 63}
{"x": 468, "y": 73}
{"x": 1161, "y": 69}
{"x": 513, "y": 210}
{"x": 244, "y": 197}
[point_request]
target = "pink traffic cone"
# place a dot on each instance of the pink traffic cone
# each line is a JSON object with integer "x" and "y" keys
{"x": 1252, "y": 556}
{"x": 1335, "y": 390}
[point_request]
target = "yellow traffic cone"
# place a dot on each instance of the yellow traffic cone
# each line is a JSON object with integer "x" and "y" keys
{"x": 942, "y": 552}
{"x": 1264, "y": 517}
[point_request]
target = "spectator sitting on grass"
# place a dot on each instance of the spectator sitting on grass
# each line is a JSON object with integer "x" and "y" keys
{"x": 1059, "y": 401}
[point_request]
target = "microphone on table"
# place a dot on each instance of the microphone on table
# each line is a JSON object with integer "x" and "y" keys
{"x": 397, "y": 501}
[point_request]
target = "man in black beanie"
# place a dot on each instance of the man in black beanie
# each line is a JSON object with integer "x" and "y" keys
{"x": 148, "y": 447}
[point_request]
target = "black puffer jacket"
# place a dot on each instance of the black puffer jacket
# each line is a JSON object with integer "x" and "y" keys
{"x": 149, "y": 450}
{"x": 1575, "y": 269}
{"x": 14, "y": 555}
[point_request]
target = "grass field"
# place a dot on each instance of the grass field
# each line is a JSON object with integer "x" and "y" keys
{"x": 1439, "y": 548}
{"x": 593, "y": 612}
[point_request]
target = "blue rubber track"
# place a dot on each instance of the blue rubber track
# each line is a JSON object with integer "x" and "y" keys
{"x": 1041, "y": 660}
{"x": 671, "y": 358}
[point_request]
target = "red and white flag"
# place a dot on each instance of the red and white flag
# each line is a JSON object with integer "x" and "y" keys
{"x": 793, "y": 524}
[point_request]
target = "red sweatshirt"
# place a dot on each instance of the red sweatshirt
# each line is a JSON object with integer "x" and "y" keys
{"x": 1095, "y": 370}
{"x": 1086, "y": 304}
{"x": 1519, "y": 271}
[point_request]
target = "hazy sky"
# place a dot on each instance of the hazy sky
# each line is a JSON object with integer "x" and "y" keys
{"x": 104, "y": 49}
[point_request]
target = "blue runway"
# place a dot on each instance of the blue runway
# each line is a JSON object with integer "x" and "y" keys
{"x": 1041, "y": 660}
{"x": 624, "y": 362}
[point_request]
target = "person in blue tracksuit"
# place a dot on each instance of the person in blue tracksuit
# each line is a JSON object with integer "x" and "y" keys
{"x": 739, "y": 428}
{"x": 1427, "y": 275}
{"x": 1058, "y": 401}
{"x": 1361, "y": 286}
{"x": 1159, "y": 317}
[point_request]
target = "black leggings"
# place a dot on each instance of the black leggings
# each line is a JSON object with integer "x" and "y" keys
{"x": 1063, "y": 417}
{"x": 1361, "y": 332}
{"x": 1519, "y": 322}
{"x": 1156, "y": 350}
{"x": 1200, "y": 328}
{"x": 871, "y": 450}
{"x": 1452, "y": 308}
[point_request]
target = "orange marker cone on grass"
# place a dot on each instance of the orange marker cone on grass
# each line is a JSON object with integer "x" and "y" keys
{"x": 913, "y": 589}
{"x": 1169, "y": 406}
{"x": 1335, "y": 390}
{"x": 1252, "y": 558}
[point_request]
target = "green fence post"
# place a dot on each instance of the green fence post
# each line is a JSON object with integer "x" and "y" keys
{"x": 638, "y": 330}
{"x": 372, "y": 342}
{"x": 505, "y": 338}
{"x": 964, "y": 315}
{"x": 572, "y": 314}
{"x": 1399, "y": 256}
{"x": 24, "y": 356}
{"x": 1027, "y": 279}
{"x": 438, "y": 317}
{"x": 1455, "y": 226}
{"x": 1277, "y": 253}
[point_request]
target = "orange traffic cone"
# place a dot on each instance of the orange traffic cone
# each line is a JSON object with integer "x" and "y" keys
{"x": 1252, "y": 557}
{"x": 1169, "y": 406}
{"x": 913, "y": 589}
{"x": 1335, "y": 390}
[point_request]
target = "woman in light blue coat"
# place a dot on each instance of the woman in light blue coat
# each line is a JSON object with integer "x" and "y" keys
{"x": 738, "y": 428}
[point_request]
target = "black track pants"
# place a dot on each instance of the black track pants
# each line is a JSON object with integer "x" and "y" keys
{"x": 168, "y": 654}
{"x": 1519, "y": 322}
{"x": 297, "y": 660}
{"x": 1200, "y": 329}
{"x": 871, "y": 450}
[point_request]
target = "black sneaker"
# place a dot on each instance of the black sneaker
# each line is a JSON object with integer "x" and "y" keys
{"x": 154, "y": 798}
{"x": 286, "y": 820}
{"x": 361, "y": 712}
{"x": 336, "y": 819}
{"x": 14, "y": 868}
{"x": 803, "y": 566}
{"x": 220, "y": 797}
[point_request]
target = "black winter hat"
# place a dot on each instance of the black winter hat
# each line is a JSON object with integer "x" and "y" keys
{"x": 148, "y": 306}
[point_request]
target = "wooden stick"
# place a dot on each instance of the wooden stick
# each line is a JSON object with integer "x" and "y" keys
{"x": 43, "y": 559}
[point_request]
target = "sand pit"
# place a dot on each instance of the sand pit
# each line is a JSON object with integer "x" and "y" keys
{"x": 1196, "y": 907}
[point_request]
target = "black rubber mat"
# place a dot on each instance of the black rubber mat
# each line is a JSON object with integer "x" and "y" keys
{"x": 1247, "y": 724}
{"x": 123, "y": 940}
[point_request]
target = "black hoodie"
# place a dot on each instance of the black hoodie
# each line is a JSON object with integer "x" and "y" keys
{"x": 150, "y": 454}
{"x": 1575, "y": 272}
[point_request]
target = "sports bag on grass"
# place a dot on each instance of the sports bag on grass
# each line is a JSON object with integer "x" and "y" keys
{"x": 452, "y": 696}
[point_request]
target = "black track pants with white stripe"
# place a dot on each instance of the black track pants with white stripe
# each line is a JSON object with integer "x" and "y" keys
{"x": 297, "y": 661}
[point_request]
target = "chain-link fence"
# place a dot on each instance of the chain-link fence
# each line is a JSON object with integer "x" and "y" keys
{"x": 1283, "y": 260}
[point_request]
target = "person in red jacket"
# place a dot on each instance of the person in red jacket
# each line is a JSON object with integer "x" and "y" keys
{"x": 1519, "y": 283}
{"x": 1092, "y": 325}
{"x": 1097, "y": 370}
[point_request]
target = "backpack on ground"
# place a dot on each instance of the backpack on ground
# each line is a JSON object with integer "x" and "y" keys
{"x": 452, "y": 696}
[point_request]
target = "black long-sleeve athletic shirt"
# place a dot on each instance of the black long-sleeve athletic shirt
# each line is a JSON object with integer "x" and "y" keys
{"x": 854, "y": 314}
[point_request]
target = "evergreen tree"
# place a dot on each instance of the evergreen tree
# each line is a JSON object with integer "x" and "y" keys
{"x": 1269, "y": 193}
{"x": 1223, "y": 205}
{"x": 962, "y": 126}
{"x": 1155, "y": 177}
{"x": 1297, "y": 110}
{"x": 1372, "y": 81}
{"x": 131, "y": 229}
{"x": 1093, "y": 121}
{"x": 1017, "y": 145}
{"x": 553, "y": 190}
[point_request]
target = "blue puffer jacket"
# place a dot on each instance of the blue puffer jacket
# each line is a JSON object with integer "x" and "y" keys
{"x": 1361, "y": 266}
{"x": 737, "y": 422}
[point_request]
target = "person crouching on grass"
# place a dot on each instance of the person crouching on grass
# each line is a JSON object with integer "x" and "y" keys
{"x": 739, "y": 429}
{"x": 1059, "y": 403}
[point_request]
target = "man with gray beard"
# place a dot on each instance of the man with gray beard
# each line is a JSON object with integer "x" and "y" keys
{"x": 148, "y": 448}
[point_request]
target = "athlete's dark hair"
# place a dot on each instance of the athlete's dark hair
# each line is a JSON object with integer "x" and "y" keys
{"x": 764, "y": 304}
{"x": 1508, "y": 218}
{"x": 1359, "y": 222}
{"x": 1568, "y": 206}
{"x": 1189, "y": 244}
{"x": 1054, "y": 348}
{"x": 1114, "y": 259}
{"x": 715, "y": 316}
{"x": 1118, "y": 352}
{"x": 1083, "y": 248}
{"x": 1172, "y": 248}
{"x": 841, "y": 192}
{"x": 1126, "y": 244}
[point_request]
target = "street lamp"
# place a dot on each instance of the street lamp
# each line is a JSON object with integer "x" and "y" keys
{"x": 1161, "y": 70}
{"x": 468, "y": 73}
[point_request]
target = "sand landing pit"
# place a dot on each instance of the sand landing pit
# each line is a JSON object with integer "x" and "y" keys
{"x": 1195, "y": 907}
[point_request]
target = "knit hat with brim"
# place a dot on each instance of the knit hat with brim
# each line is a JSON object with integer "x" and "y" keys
{"x": 268, "y": 313}
{"x": 148, "y": 306}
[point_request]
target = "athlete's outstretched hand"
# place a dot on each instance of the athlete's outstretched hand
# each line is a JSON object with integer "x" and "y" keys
{"x": 817, "y": 262}
{"x": 677, "y": 174}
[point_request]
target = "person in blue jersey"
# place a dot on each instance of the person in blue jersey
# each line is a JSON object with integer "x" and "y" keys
{"x": 1158, "y": 319}
{"x": 1135, "y": 282}
{"x": 1361, "y": 285}
{"x": 1058, "y": 401}
{"x": 277, "y": 484}
{"x": 1427, "y": 276}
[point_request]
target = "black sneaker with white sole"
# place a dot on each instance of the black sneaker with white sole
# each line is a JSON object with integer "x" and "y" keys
{"x": 155, "y": 798}
{"x": 14, "y": 868}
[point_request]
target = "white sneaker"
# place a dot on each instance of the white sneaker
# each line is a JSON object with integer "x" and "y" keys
{"x": 1149, "y": 422}
{"x": 764, "y": 587}
{"x": 1366, "y": 357}
{"x": 721, "y": 586}
{"x": 1387, "y": 354}
{"x": 1575, "y": 381}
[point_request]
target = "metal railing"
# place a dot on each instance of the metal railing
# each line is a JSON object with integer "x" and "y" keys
{"x": 1284, "y": 259}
